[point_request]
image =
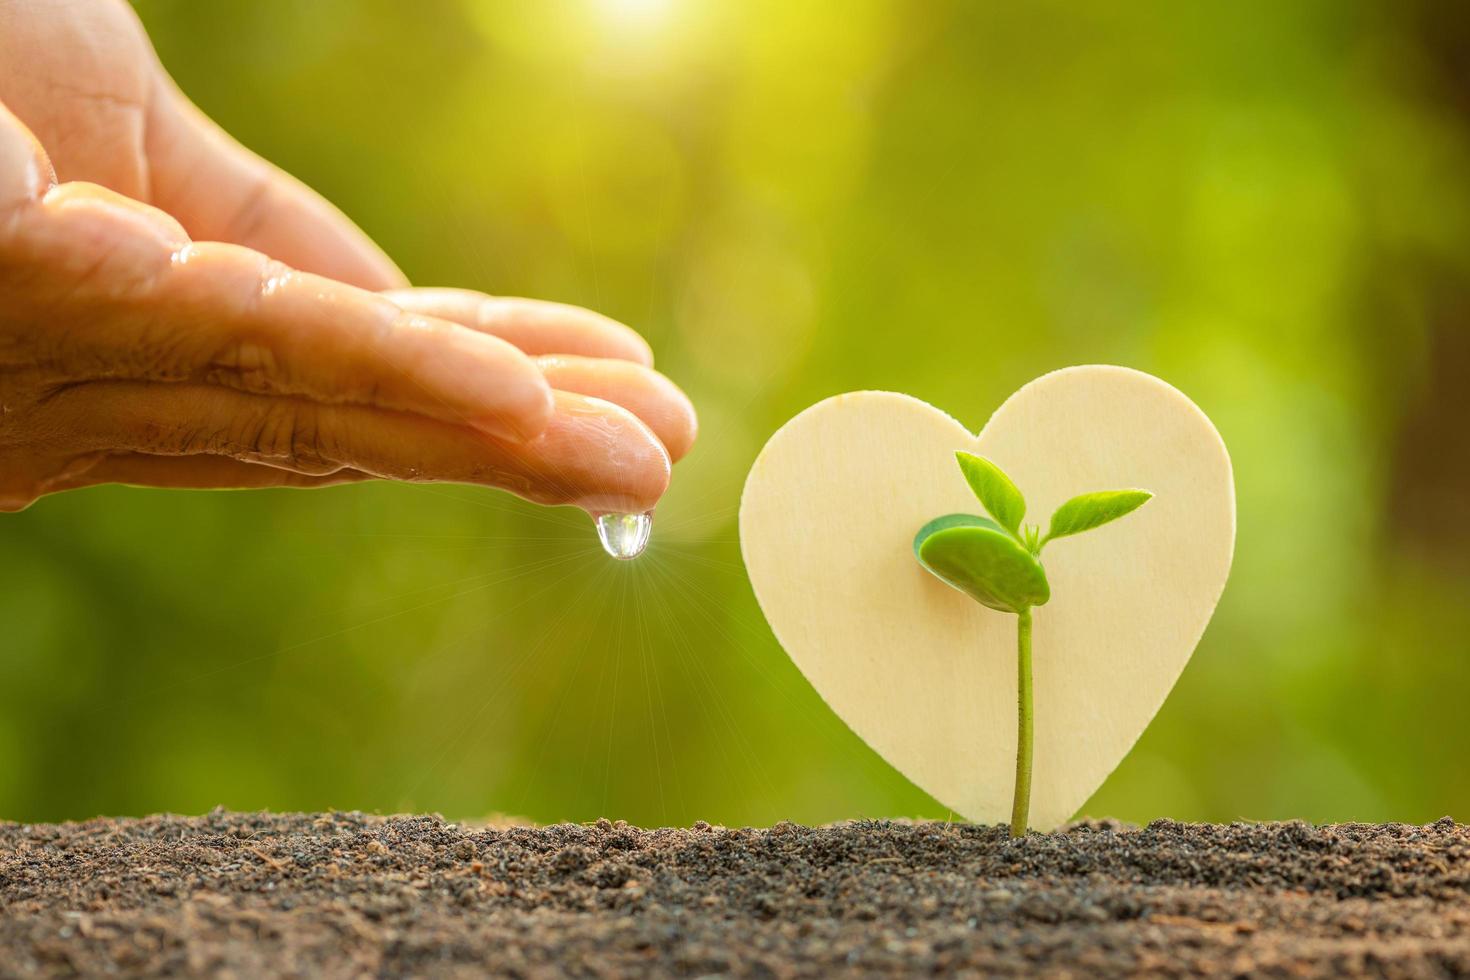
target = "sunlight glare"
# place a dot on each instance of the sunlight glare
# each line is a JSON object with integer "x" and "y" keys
{"x": 634, "y": 14}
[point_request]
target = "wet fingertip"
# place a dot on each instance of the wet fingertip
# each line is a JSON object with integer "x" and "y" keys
{"x": 650, "y": 396}
{"x": 638, "y": 486}
{"x": 632, "y": 469}
{"x": 637, "y": 494}
{"x": 525, "y": 418}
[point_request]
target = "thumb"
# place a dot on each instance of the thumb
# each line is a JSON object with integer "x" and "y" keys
{"x": 220, "y": 191}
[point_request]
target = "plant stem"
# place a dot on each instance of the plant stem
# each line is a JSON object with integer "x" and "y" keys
{"x": 1021, "y": 806}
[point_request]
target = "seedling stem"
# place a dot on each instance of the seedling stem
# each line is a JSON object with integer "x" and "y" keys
{"x": 1021, "y": 806}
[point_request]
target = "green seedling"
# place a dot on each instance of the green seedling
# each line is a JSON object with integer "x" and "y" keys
{"x": 997, "y": 562}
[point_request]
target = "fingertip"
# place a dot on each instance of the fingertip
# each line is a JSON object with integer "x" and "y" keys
{"x": 535, "y": 326}
{"x": 493, "y": 386}
{"x": 545, "y": 327}
{"x": 692, "y": 433}
{"x": 604, "y": 457}
{"x": 653, "y": 398}
{"x": 526, "y": 415}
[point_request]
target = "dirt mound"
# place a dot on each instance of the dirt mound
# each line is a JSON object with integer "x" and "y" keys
{"x": 343, "y": 894}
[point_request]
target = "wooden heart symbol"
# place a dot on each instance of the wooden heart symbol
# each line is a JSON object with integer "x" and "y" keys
{"x": 926, "y": 676}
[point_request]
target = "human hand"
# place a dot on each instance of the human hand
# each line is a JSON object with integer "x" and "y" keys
{"x": 176, "y": 312}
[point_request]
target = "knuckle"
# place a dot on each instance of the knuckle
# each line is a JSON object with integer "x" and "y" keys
{"x": 243, "y": 358}
{"x": 246, "y": 365}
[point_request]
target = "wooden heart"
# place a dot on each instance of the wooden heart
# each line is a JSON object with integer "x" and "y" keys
{"x": 925, "y": 675}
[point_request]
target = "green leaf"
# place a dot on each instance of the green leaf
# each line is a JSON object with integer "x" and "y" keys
{"x": 995, "y": 490}
{"x": 1092, "y": 510}
{"x": 984, "y": 562}
{"x": 949, "y": 521}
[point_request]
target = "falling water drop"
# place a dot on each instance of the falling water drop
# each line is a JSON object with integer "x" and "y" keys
{"x": 624, "y": 536}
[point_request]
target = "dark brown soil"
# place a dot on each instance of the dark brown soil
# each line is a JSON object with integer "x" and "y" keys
{"x": 343, "y": 894}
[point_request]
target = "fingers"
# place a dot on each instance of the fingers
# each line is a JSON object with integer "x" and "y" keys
{"x": 125, "y": 294}
{"x": 535, "y": 326}
{"x": 586, "y": 353}
{"x": 593, "y": 454}
{"x": 262, "y": 327}
{"x": 655, "y": 399}
{"x": 220, "y": 191}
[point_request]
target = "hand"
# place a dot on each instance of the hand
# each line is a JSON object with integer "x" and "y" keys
{"x": 176, "y": 312}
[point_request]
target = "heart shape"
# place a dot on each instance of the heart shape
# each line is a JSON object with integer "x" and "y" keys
{"x": 925, "y": 675}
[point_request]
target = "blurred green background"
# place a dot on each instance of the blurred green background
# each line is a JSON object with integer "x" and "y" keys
{"x": 1266, "y": 204}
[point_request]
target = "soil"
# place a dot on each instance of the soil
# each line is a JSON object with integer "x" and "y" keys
{"x": 344, "y": 894}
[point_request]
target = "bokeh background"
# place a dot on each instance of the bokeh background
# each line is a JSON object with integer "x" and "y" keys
{"x": 1266, "y": 204}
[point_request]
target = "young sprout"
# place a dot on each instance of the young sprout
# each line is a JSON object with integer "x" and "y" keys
{"x": 998, "y": 564}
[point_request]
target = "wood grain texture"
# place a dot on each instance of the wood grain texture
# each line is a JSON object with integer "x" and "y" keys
{"x": 926, "y": 676}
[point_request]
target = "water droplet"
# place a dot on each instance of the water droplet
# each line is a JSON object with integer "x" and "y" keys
{"x": 624, "y": 536}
